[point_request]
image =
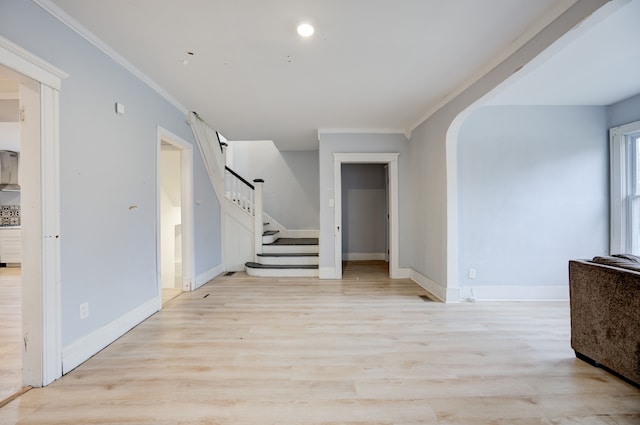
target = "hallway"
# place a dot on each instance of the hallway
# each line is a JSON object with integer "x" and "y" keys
{"x": 363, "y": 350}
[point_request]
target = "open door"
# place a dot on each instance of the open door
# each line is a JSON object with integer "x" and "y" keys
{"x": 175, "y": 216}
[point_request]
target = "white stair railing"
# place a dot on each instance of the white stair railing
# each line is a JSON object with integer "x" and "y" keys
{"x": 248, "y": 197}
{"x": 239, "y": 191}
{"x": 258, "y": 220}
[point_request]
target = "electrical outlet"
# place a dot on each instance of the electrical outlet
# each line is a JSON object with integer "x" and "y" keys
{"x": 84, "y": 311}
{"x": 472, "y": 273}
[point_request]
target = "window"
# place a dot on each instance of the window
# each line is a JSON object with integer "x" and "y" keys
{"x": 625, "y": 189}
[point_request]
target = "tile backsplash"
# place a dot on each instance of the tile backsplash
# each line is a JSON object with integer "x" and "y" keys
{"x": 10, "y": 215}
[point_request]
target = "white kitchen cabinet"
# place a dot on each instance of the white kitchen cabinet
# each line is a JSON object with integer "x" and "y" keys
{"x": 10, "y": 245}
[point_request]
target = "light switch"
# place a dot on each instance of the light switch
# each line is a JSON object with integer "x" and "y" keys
{"x": 119, "y": 108}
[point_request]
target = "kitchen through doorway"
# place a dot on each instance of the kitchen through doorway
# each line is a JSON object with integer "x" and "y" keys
{"x": 170, "y": 221}
{"x": 175, "y": 216}
{"x": 10, "y": 239}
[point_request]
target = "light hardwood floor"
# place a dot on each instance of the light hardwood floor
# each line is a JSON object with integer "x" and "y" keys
{"x": 364, "y": 350}
{"x": 10, "y": 332}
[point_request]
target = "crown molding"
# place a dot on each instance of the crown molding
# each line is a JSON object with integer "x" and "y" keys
{"x": 362, "y": 131}
{"x": 59, "y": 14}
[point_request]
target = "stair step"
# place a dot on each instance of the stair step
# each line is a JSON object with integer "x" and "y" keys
{"x": 269, "y": 236}
{"x": 292, "y": 245}
{"x": 268, "y": 270}
{"x": 288, "y": 258}
{"x": 280, "y": 266}
{"x": 289, "y": 254}
{"x": 295, "y": 241}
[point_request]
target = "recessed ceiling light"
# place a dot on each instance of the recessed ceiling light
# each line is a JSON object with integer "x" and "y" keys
{"x": 305, "y": 30}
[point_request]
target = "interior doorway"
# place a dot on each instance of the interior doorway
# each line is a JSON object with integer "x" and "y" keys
{"x": 10, "y": 273}
{"x": 175, "y": 216}
{"x": 39, "y": 234}
{"x": 170, "y": 221}
{"x": 364, "y": 213}
{"x": 391, "y": 161}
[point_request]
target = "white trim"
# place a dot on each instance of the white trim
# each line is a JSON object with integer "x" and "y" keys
{"x": 328, "y": 273}
{"x": 515, "y": 293}
{"x": 50, "y": 163}
{"x": 24, "y": 62}
{"x": 367, "y": 158}
{"x": 432, "y": 287}
{"x": 81, "y": 350}
{"x": 83, "y": 32}
{"x": 207, "y": 275}
{"x": 364, "y": 256}
{"x": 619, "y": 208}
{"x": 187, "y": 206}
{"x": 404, "y": 273}
{"x": 361, "y": 131}
{"x": 42, "y": 326}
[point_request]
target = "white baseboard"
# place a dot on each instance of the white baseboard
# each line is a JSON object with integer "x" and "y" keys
{"x": 81, "y": 350}
{"x": 363, "y": 256}
{"x": 515, "y": 293}
{"x": 432, "y": 287}
{"x": 206, "y": 276}
{"x": 327, "y": 273}
{"x": 403, "y": 273}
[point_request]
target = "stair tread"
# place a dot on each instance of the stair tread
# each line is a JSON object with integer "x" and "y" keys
{"x": 294, "y": 241}
{"x": 280, "y": 266}
{"x": 269, "y": 232}
{"x": 293, "y": 254}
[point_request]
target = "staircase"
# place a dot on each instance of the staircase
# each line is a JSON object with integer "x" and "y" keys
{"x": 247, "y": 242}
{"x": 285, "y": 257}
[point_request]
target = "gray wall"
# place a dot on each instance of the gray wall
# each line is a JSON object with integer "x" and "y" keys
{"x": 107, "y": 164}
{"x": 291, "y": 190}
{"x": 533, "y": 193}
{"x": 331, "y": 143}
{"x": 625, "y": 111}
{"x": 364, "y": 198}
{"x": 433, "y": 145}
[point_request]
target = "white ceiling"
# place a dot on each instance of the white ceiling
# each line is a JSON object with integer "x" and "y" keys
{"x": 600, "y": 67}
{"x": 376, "y": 64}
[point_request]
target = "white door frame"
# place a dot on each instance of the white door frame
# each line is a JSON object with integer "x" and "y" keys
{"x": 367, "y": 158}
{"x": 186, "y": 210}
{"x": 41, "y": 328}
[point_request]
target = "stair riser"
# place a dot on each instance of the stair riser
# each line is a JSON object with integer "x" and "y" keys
{"x": 282, "y": 272}
{"x": 270, "y": 238}
{"x": 289, "y": 260}
{"x": 290, "y": 249}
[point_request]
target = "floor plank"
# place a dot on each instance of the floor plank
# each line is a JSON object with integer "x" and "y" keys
{"x": 362, "y": 350}
{"x": 10, "y": 331}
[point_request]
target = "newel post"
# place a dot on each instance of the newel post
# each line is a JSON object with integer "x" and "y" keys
{"x": 257, "y": 218}
{"x": 223, "y": 147}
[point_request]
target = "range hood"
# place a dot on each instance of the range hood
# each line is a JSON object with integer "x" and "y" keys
{"x": 9, "y": 171}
